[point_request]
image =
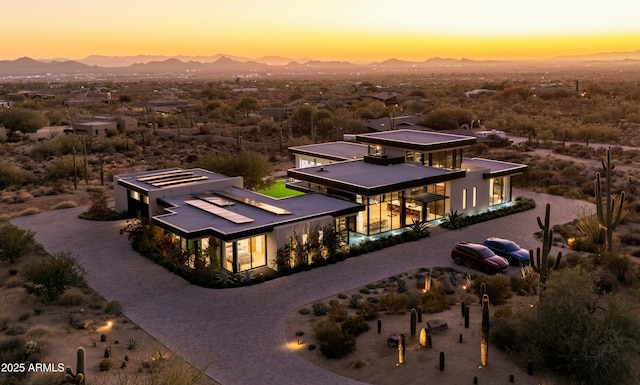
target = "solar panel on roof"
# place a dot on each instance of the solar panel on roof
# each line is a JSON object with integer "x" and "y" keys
{"x": 261, "y": 205}
{"x": 164, "y": 174}
{"x": 216, "y": 200}
{"x": 178, "y": 181}
{"x": 219, "y": 211}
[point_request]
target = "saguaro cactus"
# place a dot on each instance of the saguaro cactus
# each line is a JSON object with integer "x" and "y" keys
{"x": 414, "y": 318}
{"x": 401, "y": 349}
{"x": 484, "y": 337}
{"x": 609, "y": 212}
{"x": 541, "y": 261}
{"x": 79, "y": 377}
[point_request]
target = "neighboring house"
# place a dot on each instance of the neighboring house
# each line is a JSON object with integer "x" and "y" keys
{"x": 387, "y": 97}
{"x": 403, "y": 176}
{"x": 3, "y": 133}
{"x": 395, "y": 122}
{"x": 98, "y": 125}
{"x": 168, "y": 106}
{"x": 4, "y": 104}
{"x": 208, "y": 211}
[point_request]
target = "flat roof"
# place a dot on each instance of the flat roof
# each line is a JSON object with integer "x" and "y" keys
{"x": 337, "y": 151}
{"x": 360, "y": 177}
{"x": 188, "y": 220}
{"x": 495, "y": 168}
{"x": 417, "y": 140}
{"x": 146, "y": 181}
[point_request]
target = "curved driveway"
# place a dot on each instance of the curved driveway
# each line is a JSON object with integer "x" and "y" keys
{"x": 239, "y": 333}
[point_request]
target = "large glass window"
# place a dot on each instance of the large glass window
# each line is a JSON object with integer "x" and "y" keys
{"x": 251, "y": 253}
{"x": 449, "y": 159}
{"x": 499, "y": 188}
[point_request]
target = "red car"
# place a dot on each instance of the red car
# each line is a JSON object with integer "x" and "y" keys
{"x": 479, "y": 257}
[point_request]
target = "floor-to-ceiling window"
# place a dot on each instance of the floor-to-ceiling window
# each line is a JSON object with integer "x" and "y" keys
{"x": 500, "y": 190}
{"x": 251, "y": 253}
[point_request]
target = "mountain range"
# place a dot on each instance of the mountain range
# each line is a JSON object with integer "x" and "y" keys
{"x": 229, "y": 65}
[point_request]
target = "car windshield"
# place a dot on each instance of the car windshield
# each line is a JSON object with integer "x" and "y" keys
{"x": 511, "y": 246}
{"x": 485, "y": 253}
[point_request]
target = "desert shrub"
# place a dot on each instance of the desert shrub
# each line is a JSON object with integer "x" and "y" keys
{"x": 38, "y": 332}
{"x": 304, "y": 311}
{"x": 12, "y": 175}
{"x": 332, "y": 341}
{"x": 393, "y": 303}
{"x": 64, "y": 205}
{"x": 12, "y": 349}
{"x": 70, "y": 299}
{"x": 401, "y": 286}
{"x": 337, "y": 312}
{"x": 354, "y": 301}
{"x": 13, "y": 282}
{"x": 570, "y": 330}
{"x": 435, "y": 301}
{"x": 498, "y": 287}
{"x": 524, "y": 285}
{"x": 99, "y": 209}
{"x": 14, "y": 242}
{"x": 24, "y": 317}
{"x": 354, "y": 325}
{"x": 15, "y": 330}
{"x": 113, "y": 308}
{"x": 367, "y": 310}
{"x": 29, "y": 211}
{"x": 620, "y": 266}
{"x": 319, "y": 308}
{"x": 105, "y": 364}
{"x": 50, "y": 276}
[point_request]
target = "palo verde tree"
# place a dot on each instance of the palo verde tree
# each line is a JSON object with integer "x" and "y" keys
{"x": 609, "y": 211}
{"x": 50, "y": 276}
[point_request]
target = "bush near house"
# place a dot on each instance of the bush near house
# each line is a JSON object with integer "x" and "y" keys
{"x": 520, "y": 204}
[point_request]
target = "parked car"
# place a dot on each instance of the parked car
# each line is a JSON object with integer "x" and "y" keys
{"x": 516, "y": 255}
{"x": 479, "y": 257}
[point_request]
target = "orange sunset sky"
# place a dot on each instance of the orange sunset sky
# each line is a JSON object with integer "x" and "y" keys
{"x": 357, "y": 30}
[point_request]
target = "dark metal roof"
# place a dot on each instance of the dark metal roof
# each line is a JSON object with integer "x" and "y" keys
{"x": 189, "y": 221}
{"x": 368, "y": 179}
{"x": 417, "y": 140}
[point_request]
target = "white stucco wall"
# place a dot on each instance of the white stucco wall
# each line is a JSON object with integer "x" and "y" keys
{"x": 473, "y": 179}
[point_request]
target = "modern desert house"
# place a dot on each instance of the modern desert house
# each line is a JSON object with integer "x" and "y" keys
{"x": 402, "y": 176}
{"x": 204, "y": 210}
{"x": 380, "y": 184}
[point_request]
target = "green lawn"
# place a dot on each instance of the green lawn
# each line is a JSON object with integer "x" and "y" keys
{"x": 279, "y": 190}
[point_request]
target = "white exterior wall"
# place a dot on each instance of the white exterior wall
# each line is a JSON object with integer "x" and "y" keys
{"x": 310, "y": 161}
{"x": 121, "y": 195}
{"x": 473, "y": 179}
{"x": 281, "y": 234}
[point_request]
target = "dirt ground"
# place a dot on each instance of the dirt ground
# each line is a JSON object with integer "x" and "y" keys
{"x": 375, "y": 362}
{"x": 133, "y": 352}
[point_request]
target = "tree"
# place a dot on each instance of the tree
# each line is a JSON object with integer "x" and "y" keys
{"x": 21, "y": 119}
{"x": 49, "y": 277}
{"x": 247, "y": 104}
{"x": 571, "y": 330}
{"x": 302, "y": 120}
{"x": 252, "y": 166}
{"x": 14, "y": 242}
{"x": 447, "y": 118}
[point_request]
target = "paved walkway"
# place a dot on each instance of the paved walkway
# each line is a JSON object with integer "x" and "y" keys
{"x": 239, "y": 333}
